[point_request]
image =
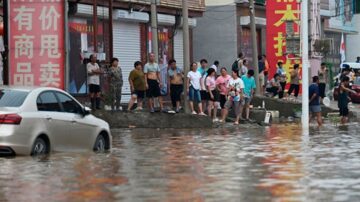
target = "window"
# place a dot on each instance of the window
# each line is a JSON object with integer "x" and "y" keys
{"x": 69, "y": 105}
{"x": 357, "y": 6}
{"x": 12, "y": 98}
{"x": 48, "y": 102}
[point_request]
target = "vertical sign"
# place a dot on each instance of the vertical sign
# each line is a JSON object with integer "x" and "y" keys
{"x": 36, "y": 43}
{"x": 278, "y": 15}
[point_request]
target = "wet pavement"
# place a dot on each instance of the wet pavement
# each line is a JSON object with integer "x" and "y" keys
{"x": 277, "y": 163}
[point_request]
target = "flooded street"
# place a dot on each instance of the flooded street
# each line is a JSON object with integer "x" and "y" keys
{"x": 272, "y": 164}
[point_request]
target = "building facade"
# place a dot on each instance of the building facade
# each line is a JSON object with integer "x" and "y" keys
{"x": 224, "y": 31}
{"x": 128, "y": 28}
{"x": 353, "y": 41}
{"x": 337, "y": 19}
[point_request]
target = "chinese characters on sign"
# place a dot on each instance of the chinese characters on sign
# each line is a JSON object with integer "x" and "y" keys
{"x": 36, "y": 43}
{"x": 278, "y": 14}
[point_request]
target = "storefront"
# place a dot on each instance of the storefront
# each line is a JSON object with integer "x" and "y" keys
{"x": 81, "y": 44}
{"x": 127, "y": 43}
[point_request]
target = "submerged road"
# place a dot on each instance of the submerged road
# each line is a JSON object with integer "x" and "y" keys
{"x": 277, "y": 163}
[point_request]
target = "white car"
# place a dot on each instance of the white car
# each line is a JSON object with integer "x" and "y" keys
{"x": 42, "y": 120}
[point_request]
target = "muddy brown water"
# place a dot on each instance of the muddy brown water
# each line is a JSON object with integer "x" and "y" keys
{"x": 277, "y": 163}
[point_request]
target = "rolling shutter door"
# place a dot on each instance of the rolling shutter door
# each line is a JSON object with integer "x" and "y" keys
{"x": 127, "y": 50}
{"x": 178, "y": 49}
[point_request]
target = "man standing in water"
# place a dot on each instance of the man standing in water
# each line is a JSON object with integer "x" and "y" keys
{"x": 314, "y": 100}
{"x": 153, "y": 82}
{"x": 344, "y": 99}
{"x": 94, "y": 72}
{"x": 176, "y": 76}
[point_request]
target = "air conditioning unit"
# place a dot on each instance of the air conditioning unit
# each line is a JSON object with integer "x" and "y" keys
{"x": 125, "y": 15}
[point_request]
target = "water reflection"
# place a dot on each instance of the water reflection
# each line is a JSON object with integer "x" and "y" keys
{"x": 226, "y": 164}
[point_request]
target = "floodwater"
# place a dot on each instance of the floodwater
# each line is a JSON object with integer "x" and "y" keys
{"x": 278, "y": 163}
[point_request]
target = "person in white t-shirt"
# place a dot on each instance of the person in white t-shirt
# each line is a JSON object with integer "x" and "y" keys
{"x": 193, "y": 83}
{"x": 235, "y": 97}
{"x": 94, "y": 72}
{"x": 215, "y": 66}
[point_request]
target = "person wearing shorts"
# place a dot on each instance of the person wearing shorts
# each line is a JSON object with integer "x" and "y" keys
{"x": 213, "y": 94}
{"x": 137, "y": 86}
{"x": 221, "y": 84}
{"x": 314, "y": 100}
{"x": 235, "y": 97}
{"x": 249, "y": 90}
{"x": 344, "y": 98}
{"x": 153, "y": 82}
{"x": 202, "y": 70}
{"x": 176, "y": 77}
{"x": 193, "y": 82}
{"x": 295, "y": 81}
{"x": 94, "y": 72}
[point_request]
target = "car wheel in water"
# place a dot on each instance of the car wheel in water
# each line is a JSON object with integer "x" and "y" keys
{"x": 100, "y": 144}
{"x": 39, "y": 148}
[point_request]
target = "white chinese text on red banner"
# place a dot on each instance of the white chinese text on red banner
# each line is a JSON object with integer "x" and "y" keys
{"x": 36, "y": 43}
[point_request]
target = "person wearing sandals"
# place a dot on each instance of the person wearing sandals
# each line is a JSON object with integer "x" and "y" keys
{"x": 137, "y": 86}
{"x": 221, "y": 84}
{"x": 213, "y": 94}
{"x": 116, "y": 83}
{"x": 235, "y": 97}
{"x": 176, "y": 76}
{"x": 193, "y": 83}
{"x": 249, "y": 90}
{"x": 153, "y": 82}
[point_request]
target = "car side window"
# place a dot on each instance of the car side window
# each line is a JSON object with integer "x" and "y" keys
{"x": 48, "y": 102}
{"x": 69, "y": 104}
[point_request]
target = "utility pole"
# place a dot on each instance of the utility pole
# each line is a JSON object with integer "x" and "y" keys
{"x": 111, "y": 41}
{"x": 95, "y": 25}
{"x": 186, "y": 49}
{"x": 254, "y": 45}
{"x": 154, "y": 30}
{"x": 305, "y": 64}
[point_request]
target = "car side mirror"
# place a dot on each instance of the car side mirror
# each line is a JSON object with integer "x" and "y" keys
{"x": 87, "y": 111}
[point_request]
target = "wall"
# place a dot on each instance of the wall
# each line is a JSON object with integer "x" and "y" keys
{"x": 353, "y": 42}
{"x": 193, "y": 4}
{"x": 215, "y": 37}
{"x": 218, "y": 2}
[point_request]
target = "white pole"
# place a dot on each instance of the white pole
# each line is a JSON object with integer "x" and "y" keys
{"x": 305, "y": 64}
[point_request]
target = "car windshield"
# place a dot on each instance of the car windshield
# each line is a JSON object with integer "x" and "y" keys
{"x": 12, "y": 98}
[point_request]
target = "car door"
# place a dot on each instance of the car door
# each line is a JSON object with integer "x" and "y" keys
{"x": 82, "y": 129}
{"x": 50, "y": 113}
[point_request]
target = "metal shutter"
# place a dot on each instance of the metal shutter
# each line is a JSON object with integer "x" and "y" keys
{"x": 127, "y": 50}
{"x": 178, "y": 48}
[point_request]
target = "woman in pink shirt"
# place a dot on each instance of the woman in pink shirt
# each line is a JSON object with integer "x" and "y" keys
{"x": 213, "y": 94}
{"x": 221, "y": 84}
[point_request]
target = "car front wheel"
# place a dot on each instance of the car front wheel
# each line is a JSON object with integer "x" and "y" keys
{"x": 100, "y": 144}
{"x": 39, "y": 148}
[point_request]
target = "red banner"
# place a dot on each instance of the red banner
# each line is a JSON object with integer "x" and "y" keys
{"x": 278, "y": 13}
{"x": 36, "y": 43}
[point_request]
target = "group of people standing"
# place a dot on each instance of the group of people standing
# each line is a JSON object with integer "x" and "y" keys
{"x": 144, "y": 81}
{"x": 211, "y": 91}
{"x": 205, "y": 88}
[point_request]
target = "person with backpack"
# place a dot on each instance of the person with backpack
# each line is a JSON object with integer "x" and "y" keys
{"x": 237, "y": 64}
